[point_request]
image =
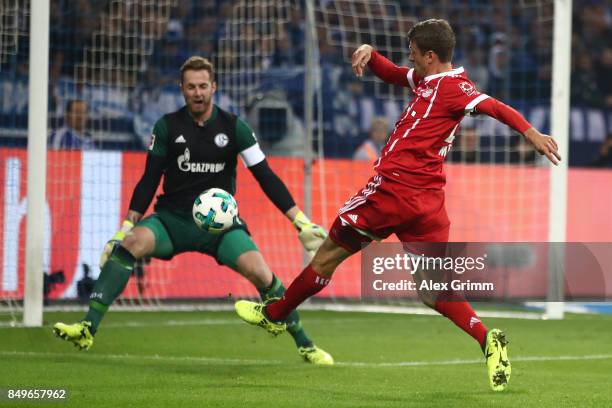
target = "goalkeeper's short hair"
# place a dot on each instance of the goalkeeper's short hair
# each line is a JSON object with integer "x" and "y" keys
{"x": 197, "y": 63}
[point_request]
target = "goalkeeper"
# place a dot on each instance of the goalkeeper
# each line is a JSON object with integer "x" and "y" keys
{"x": 196, "y": 148}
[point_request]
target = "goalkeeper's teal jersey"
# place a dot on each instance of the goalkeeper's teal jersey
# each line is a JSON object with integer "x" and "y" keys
{"x": 199, "y": 157}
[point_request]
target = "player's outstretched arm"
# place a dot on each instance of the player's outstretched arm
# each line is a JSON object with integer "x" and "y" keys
{"x": 360, "y": 58}
{"x": 543, "y": 144}
{"x": 380, "y": 66}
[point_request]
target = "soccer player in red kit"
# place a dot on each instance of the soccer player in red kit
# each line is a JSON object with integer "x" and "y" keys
{"x": 406, "y": 195}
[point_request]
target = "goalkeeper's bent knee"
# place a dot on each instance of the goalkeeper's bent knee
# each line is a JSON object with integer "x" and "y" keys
{"x": 123, "y": 257}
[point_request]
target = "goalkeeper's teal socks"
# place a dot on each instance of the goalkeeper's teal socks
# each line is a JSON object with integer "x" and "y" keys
{"x": 294, "y": 325}
{"x": 111, "y": 282}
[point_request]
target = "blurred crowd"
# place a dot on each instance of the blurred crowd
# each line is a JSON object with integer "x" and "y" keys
{"x": 504, "y": 46}
{"x": 501, "y": 44}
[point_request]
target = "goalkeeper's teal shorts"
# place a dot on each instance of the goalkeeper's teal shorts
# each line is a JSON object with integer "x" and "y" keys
{"x": 175, "y": 232}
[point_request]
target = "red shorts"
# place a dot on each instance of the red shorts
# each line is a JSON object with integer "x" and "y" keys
{"x": 385, "y": 207}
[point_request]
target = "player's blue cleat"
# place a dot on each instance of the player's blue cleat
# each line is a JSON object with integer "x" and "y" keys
{"x": 252, "y": 313}
{"x": 78, "y": 333}
{"x": 498, "y": 365}
{"x": 315, "y": 355}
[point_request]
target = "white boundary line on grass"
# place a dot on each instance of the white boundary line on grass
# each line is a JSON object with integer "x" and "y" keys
{"x": 155, "y": 357}
{"x": 476, "y": 361}
{"x": 236, "y": 361}
{"x": 536, "y": 313}
{"x": 419, "y": 310}
{"x": 339, "y": 307}
{"x": 408, "y": 310}
{"x": 186, "y": 322}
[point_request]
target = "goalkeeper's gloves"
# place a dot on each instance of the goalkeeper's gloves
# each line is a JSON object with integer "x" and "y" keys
{"x": 114, "y": 241}
{"x": 310, "y": 234}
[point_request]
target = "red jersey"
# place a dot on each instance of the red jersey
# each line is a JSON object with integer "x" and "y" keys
{"x": 424, "y": 134}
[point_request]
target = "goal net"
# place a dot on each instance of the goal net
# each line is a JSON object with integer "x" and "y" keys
{"x": 13, "y": 40}
{"x": 114, "y": 71}
{"x": 497, "y": 187}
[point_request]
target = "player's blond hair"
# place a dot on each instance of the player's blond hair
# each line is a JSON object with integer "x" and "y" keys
{"x": 197, "y": 63}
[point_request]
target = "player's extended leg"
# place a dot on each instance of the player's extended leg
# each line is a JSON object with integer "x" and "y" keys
{"x": 344, "y": 240}
{"x": 493, "y": 342}
{"x": 429, "y": 235}
{"x": 314, "y": 278}
{"x": 434, "y": 228}
{"x": 453, "y": 306}
{"x": 456, "y": 308}
{"x": 238, "y": 251}
{"x": 138, "y": 243}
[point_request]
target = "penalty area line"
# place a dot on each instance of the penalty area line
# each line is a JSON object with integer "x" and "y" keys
{"x": 238, "y": 361}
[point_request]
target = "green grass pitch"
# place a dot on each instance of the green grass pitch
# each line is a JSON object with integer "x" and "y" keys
{"x": 202, "y": 359}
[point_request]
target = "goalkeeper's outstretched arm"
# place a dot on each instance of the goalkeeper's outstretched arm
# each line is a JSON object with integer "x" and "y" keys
{"x": 310, "y": 234}
{"x": 274, "y": 188}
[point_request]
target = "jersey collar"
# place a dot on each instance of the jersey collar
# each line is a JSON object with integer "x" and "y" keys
{"x": 213, "y": 116}
{"x": 455, "y": 71}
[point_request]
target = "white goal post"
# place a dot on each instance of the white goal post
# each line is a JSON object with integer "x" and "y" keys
{"x": 37, "y": 161}
{"x": 559, "y": 119}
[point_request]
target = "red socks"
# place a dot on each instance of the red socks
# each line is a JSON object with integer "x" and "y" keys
{"x": 307, "y": 284}
{"x": 462, "y": 314}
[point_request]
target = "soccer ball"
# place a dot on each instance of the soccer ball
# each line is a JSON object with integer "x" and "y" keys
{"x": 215, "y": 210}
